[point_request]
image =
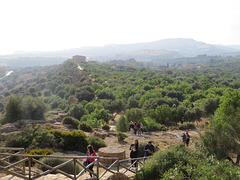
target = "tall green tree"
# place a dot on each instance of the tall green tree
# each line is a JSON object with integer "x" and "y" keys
{"x": 222, "y": 137}
{"x": 33, "y": 108}
{"x": 12, "y": 110}
{"x": 134, "y": 115}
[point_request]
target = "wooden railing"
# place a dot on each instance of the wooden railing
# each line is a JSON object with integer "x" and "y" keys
{"x": 17, "y": 168}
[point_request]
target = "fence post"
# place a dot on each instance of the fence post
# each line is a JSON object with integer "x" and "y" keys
{"x": 74, "y": 168}
{"x": 118, "y": 164}
{"x": 24, "y": 172}
{"x": 97, "y": 168}
{"x": 29, "y": 167}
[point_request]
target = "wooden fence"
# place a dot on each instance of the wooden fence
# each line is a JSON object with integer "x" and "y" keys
{"x": 14, "y": 164}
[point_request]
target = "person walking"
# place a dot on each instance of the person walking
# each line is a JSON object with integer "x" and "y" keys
{"x": 134, "y": 152}
{"x": 187, "y": 139}
{"x": 135, "y": 128}
{"x": 139, "y": 129}
{"x": 141, "y": 126}
{"x": 90, "y": 152}
{"x": 131, "y": 128}
{"x": 184, "y": 138}
{"x": 148, "y": 150}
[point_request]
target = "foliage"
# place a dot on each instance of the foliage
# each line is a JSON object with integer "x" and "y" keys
{"x": 69, "y": 168}
{"x": 211, "y": 105}
{"x": 39, "y": 151}
{"x": 85, "y": 127}
{"x": 187, "y": 125}
{"x": 148, "y": 95}
{"x": 71, "y": 141}
{"x": 92, "y": 121}
{"x": 23, "y": 108}
{"x": 106, "y": 127}
{"x": 152, "y": 125}
{"x": 77, "y": 111}
{"x": 121, "y": 136}
{"x": 180, "y": 162}
{"x": 105, "y": 94}
{"x": 134, "y": 115}
{"x": 114, "y": 106}
{"x": 122, "y": 124}
{"x": 96, "y": 142}
{"x": 220, "y": 138}
{"x": 12, "y": 110}
{"x": 97, "y": 118}
{"x": 161, "y": 114}
{"x": 33, "y": 108}
{"x": 70, "y": 120}
{"x": 32, "y": 137}
{"x": 84, "y": 95}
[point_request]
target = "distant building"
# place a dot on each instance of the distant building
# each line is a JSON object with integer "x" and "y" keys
{"x": 79, "y": 59}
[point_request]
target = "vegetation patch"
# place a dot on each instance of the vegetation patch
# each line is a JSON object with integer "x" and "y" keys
{"x": 69, "y": 168}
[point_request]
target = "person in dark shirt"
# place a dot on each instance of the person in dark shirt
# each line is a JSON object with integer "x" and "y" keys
{"x": 134, "y": 151}
{"x": 184, "y": 138}
{"x": 148, "y": 150}
{"x": 187, "y": 138}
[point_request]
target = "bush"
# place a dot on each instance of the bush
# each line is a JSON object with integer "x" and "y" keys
{"x": 39, "y": 151}
{"x": 85, "y": 127}
{"x": 69, "y": 168}
{"x": 23, "y": 108}
{"x": 70, "y": 120}
{"x": 106, "y": 127}
{"x": 32, "y": 137}
{"x": 71, "y": 141}
{"x": 180, "y": 162}
{"x": 187, "y": 125}
{"x": 152, "y": 125}
{"x": 96, "y": 142}
{"x": 122, "y": 124}
{"x": 77, "y": 111}
{"x": 121, "y": 136}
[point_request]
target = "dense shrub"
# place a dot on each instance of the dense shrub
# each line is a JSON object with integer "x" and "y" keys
{"x": 106, "y": 127}
{"x": 121, "y": 136}
{"x": 70, "y": 120}
{"x": 122, "y": 124}
{"x": 39, "y": 151}
{"x": 71, "y": 141}
{"x": 69, "y": 168}
{"x": 32, "y": 137}
{"x": 152, "y": 125}
{"x": 12, "y": 110}
{"x": 85, "y": 127}
{"x": 23, "y": 108}
{"x": 96, "y": 142}
{"x": 77, "y": 111}
{"x": 180, "y": 162}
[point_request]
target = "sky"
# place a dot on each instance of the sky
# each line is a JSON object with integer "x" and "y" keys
{"x": 49, "y": 25}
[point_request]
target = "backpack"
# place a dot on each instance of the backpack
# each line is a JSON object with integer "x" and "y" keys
{"x": 138, "y": 125}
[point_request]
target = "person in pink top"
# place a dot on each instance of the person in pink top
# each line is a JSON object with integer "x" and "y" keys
{"x": 90, "y": 152}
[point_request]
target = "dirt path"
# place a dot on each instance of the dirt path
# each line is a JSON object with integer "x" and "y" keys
{"x": 163, "y": 139}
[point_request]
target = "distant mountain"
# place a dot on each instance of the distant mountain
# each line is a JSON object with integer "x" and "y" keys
{"x": 162, "y": 49}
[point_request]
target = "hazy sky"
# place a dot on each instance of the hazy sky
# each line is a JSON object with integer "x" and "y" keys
{"x": 38, "y": 25}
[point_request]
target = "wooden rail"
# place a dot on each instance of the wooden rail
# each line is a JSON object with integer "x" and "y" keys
{"x": 17, "y": 168}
